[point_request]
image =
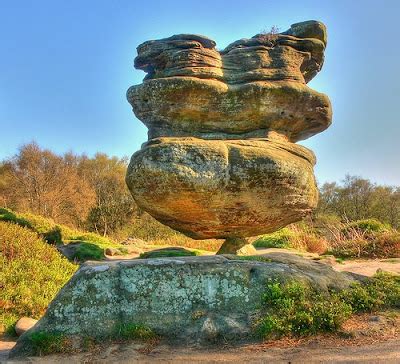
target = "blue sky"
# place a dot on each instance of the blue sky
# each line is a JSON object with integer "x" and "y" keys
{"x": 66, "y": 65}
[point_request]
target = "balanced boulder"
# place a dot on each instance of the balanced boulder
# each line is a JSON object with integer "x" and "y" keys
{"x": 221, "y": 160}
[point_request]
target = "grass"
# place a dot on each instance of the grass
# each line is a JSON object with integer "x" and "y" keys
{"x": 131, "y": 331}
{"x": 296, "y": 309}
{"x": 44, "y": 343}
{"x": 31, "y": 274}
{"x": 155, "y": 233}
{"x": 278, "y": 239}
{"x": 92, "y": 245}
{"x": 299, "y": 237}
{"x": 256, "y": 258}
{"x": 368, "y": 238}
{"x": 169, "y": 252}
{"x": 88, "y": 251}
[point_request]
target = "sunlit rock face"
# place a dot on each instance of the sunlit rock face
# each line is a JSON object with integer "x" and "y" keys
{"x": 221, "y": 160}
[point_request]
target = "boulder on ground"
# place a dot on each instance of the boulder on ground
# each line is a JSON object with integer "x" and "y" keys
{"x": 24, "y": 324}
{"x": 185, "y": 298}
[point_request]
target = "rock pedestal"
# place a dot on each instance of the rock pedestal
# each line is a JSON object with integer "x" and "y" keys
{"x": 221, "y": 160}
{"x": 187, "y": 298}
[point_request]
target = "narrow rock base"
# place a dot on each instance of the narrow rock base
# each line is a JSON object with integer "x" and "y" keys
{"x": 238, "y": 246}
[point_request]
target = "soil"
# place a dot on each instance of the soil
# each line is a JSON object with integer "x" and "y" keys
{"x": 364, "y": 338}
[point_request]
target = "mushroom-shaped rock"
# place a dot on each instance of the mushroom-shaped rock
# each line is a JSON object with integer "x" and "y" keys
{"x": 221, "y": 160}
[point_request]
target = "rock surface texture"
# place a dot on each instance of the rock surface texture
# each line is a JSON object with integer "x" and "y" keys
{"x": 187, "y": 298}
{"x": 221, "y": 160}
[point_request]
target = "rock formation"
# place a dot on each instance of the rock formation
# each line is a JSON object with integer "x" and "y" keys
{"x": 221, "y": 160}
{"x": 186, "y": 298}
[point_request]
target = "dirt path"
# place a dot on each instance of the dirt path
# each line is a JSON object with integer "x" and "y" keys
{"x": 359, "y": 266}
{"x": 312, "y": 352}
{"x": 363, "y": 339}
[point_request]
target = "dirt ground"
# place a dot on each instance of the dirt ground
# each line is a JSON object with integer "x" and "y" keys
{"x": 364, "y": 339}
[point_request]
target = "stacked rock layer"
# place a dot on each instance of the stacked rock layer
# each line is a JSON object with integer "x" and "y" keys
{"x": 221, "y": 160}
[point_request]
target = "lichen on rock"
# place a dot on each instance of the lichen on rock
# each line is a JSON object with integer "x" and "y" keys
{"x": 185, "y": 298}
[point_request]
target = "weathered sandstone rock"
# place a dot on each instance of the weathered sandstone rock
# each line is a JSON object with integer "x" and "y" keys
{"x": 250, "y": 88}
{"x": 187, "y": 298}
{"x": 220, "y": 161}
{"x": 24, "y": 324}
{"x": 217, "y": 189}
{"x": 296, "y": 54}
{"x": 210, "y": 109}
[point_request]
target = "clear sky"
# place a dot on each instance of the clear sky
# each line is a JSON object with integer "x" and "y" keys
{"x": 65, "y": 67}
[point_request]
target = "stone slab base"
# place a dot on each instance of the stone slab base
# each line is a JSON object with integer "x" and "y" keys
{"x": 186, "y": 298}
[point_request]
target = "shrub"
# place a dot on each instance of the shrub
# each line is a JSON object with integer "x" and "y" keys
{"x": 295, "y": 308}
{"x": 92, "y": 245}
{"x": 169, "y": 252}
{"x": 279, "y": 239}
{"x": 366, "y": 226}
{"x": 298, "y": 237}
{"x": 87, "y": 251}
{"x": 31, "y": 274}
{"x": 9, "y": 216}
{"x": 382, "y": 291}
{"x": 377, "y": 245}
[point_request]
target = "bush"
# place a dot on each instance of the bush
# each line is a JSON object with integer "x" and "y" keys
{"x": 279, "y": 239}
{"x": 377, "y": 245}
{"x": 366, "y": 226}
{"x": 87, "y": 251}
{"x": 169, "y": 252}
{"x": 92, "y": 245}
{"x": 297, "y": 309}
{"x": 31, "y": 274}
{"x": 298, "y": 237}
{"x": 294, "y": 308}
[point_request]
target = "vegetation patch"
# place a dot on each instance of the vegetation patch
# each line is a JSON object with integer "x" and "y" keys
{"x": 32, "y": 272}
{"x": 131, "y": 331}
{"x": 256, "y": 258}
{"x": 169, "y": 252}
{"x": 366, "y": 226}
{"x": 44, "y": 343}
{"x": 87, "y": 251}
{"x": 279, "y": 239}
{"x": 296, "y": 309}
{"x": 299, "y": 237}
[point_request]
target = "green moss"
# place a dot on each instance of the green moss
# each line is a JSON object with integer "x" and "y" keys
{"x": 131, "y": 331}
{"x": 88, "y": 251}
{"x": 44, "y": 343}
{"x": 169, "y": 252}
{"x": 258, "y": 258}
